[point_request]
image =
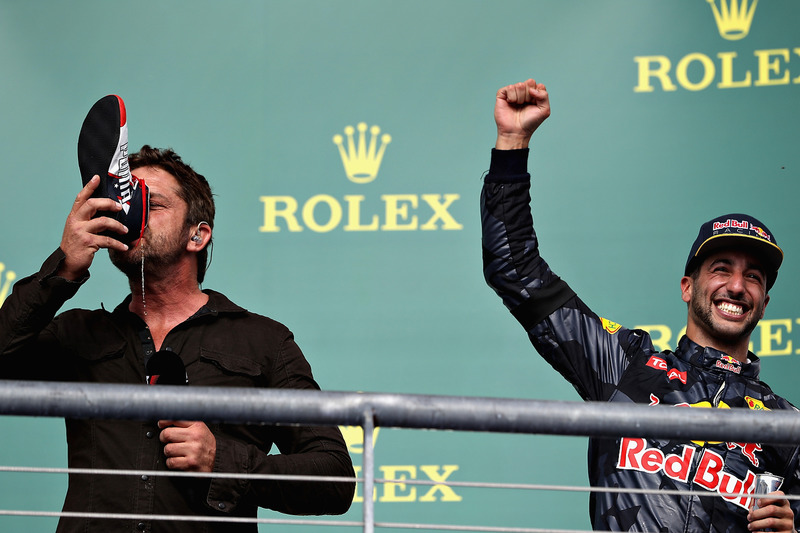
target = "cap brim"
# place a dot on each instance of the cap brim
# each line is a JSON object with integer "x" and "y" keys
{"x": 771, "y": 253}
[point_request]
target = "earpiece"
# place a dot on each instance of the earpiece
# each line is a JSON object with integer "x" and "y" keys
{"x": 196, "y": 237}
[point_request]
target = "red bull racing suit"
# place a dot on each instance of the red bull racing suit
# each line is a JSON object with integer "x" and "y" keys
{"x": 607, "y": 362}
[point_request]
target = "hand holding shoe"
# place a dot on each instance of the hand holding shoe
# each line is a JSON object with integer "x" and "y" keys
{"x": 82, "y": 233}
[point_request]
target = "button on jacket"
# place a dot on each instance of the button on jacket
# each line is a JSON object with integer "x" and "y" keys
{"x": 221, "y": 345}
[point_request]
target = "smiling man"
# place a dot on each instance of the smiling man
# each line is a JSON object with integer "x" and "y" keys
{"x": 731, "y": 266}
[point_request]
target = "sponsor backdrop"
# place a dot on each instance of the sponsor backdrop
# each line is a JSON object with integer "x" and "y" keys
{"x": 345, "y": 142}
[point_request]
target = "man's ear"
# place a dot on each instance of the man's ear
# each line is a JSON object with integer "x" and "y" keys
{"x": 199, "y": 237}
{"x": 686, "y": 288}
{"x": 766, "y": 301}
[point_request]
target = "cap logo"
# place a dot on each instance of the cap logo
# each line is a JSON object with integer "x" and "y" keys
{"x": 733, "y": 224}
{"x": 761, "y": 233}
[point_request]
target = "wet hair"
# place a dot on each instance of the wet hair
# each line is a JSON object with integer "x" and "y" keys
{"x": 194, "y": 190}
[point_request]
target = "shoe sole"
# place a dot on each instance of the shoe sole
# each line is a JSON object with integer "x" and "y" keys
{"x": 103, "y": 151}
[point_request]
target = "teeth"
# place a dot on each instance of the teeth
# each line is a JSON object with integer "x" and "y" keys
{"x": 730, "y": 308}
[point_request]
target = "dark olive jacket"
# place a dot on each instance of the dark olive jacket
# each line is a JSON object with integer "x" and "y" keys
{"x": 221, "y": 345}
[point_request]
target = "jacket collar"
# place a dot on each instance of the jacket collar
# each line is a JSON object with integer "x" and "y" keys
{"x": 217, "y": 304}
{"x": 716, "y": 361}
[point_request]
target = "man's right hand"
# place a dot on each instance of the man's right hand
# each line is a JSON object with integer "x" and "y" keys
{"x": 82, "y": 234}
{"x": 773, "y": 514}
{"x": 519, "y": 109}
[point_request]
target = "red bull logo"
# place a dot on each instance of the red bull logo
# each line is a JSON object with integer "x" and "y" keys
{"x": 634, "y": 454}
{"x": 749, "y": 450}
{"x": 761, "y": 233}
{"x": 726, "y": 362}
{"x": 731, "y": 224}
{"x": 739, "y": 226}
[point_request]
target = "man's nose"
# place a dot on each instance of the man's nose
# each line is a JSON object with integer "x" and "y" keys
{"x": 736, "y": 283}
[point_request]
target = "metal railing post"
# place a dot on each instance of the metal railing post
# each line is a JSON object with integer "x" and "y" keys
{"x": 368, "y": 468}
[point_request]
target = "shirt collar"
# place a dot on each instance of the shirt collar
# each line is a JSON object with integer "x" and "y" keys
{"x": 716, "y": 361}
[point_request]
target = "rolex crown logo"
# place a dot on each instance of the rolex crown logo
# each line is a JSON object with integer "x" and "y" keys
{"x": 362, "y": 162}
{"x": 733, "y": 17}
{"x": 7, "y": 277}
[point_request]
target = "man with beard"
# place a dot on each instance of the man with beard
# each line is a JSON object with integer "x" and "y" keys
{"x": 167, "y": 317}
{"x": 730, "y": 268}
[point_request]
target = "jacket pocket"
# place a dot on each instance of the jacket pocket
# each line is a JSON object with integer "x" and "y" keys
{"x": 97, "y": 353}
{"x": 100, "y": 357}
{"x": 223, "y": 369}
{"x": 91, "y": 336}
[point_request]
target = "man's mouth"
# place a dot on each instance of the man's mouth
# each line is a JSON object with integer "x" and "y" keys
{"x": 730, "y": 308}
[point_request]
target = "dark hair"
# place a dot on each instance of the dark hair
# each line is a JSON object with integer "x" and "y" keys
{"x": 194, "y": 190}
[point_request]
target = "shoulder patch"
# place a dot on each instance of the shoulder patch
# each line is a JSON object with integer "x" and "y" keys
{"x": 609, "y": 326}
{"x": 756, "y": 405}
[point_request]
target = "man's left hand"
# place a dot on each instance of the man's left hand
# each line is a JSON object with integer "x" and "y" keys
{"x": 773, "y": 514}
{"x": 188, "y": 445}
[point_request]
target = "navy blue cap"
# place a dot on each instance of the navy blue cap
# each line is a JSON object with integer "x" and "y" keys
{"x": 741, "y": 232}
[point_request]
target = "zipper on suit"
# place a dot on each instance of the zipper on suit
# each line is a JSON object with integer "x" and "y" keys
{"x": 718, "y": 394}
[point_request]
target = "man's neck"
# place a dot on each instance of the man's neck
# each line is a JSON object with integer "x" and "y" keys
{"x": 166, "y": 298}
{"x": 166, "y": 303}
{"x": 738, "y": 350}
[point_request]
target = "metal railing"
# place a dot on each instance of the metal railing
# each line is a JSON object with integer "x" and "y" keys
{"x": 368, "y": 410}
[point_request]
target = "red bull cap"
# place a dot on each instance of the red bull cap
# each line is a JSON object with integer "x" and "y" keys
{"x": 737, "y": 231}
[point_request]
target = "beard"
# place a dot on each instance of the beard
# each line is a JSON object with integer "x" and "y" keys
{"x": 159, "y": 252}
{"x": 701, "y": 306}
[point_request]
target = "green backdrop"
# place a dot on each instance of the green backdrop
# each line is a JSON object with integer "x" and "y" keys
{"x": 663, "y": 117}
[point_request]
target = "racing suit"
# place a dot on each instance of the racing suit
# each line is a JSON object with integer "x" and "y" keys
{"x": 607, "y": 362}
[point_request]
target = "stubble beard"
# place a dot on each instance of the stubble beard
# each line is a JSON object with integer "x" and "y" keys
{"x": 702, "y": 309}
{"x": 159, "y": 251}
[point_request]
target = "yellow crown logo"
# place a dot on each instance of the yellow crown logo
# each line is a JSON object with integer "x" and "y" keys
{"x": 354, "y": 438}
{"x": 361, "y": 163}
{"x": 5, "y": 281}
{"x": 733, "y": 17}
